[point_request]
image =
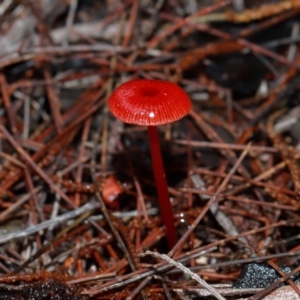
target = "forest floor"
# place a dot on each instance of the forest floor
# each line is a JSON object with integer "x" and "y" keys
{"x": 79, "y": 212}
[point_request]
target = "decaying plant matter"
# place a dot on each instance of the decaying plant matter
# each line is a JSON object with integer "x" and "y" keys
{"x": 79, "y": 216}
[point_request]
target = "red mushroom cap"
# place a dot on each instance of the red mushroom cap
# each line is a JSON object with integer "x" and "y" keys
{"x": 149, "y": 102}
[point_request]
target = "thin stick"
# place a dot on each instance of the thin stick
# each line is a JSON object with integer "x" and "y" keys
{"x": 70, "y": 20}
{"x": 204, "y": 144}
{"x": 185, "y": 270}
{"x": 106, "y": 214}
{"x": 53, "y": 103}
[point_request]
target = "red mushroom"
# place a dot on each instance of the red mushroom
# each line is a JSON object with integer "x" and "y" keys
{"x": 151, "y": 103}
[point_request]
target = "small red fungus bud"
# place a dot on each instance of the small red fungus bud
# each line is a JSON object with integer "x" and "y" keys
{"x": 110, "y": 191}
{"x": 151, "y": 103}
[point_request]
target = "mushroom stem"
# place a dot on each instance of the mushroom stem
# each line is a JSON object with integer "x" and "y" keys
{"x": 162, "y": 187}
